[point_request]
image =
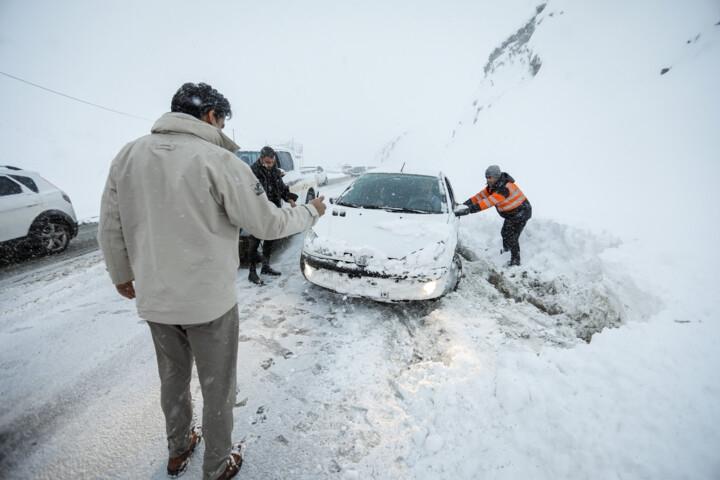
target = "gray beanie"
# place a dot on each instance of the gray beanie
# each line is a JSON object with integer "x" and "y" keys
{"x": 493, "y": 171}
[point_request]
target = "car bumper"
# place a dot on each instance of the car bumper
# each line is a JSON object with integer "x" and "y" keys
{"x": 373, "y": 286}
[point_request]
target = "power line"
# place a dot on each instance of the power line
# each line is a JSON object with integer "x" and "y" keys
{"x": 74, "y": 98}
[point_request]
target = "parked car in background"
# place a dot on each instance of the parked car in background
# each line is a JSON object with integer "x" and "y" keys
{"x": 354, "y": 171}
{"x": 319, "y": 172}
{"x": 357, "y": 171}
{"x": 35, "y": 216}
{"x": 389, "y": 236}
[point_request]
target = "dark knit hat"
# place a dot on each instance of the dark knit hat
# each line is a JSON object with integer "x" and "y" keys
{"x": 493, "y": 171}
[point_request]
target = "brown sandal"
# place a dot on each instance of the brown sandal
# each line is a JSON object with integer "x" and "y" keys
{"x": 234, "y": 462}
{"x": 176, "y": 465}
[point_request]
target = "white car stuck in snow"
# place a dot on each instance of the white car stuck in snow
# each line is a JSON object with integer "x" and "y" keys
{"x": 390, "y": 236}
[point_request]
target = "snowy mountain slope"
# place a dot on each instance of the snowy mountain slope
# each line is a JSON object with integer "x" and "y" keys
{"x": 599, "y": 124}
{"x": 601, "y": 139}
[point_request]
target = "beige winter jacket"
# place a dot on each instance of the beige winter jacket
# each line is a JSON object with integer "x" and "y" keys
{"x": 170, "y": 217}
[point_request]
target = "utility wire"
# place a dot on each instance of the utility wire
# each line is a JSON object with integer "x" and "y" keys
{"x": 74, "y": 98}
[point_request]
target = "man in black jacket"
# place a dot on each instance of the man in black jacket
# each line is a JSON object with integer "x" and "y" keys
{"x": 270, "y": 176}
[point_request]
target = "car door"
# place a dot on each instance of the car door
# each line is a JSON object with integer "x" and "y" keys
{"x": 18, "y": 208}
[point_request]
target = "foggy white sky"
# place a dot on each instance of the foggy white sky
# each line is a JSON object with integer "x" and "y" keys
{"x": 336, "y": 76}
{"x": 343, "y": 78}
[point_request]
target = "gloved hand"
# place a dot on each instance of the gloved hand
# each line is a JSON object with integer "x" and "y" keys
{"x": 473, "y": 208}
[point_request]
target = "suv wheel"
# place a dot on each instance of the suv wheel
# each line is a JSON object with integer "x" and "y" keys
{"x": 53, "y": 236}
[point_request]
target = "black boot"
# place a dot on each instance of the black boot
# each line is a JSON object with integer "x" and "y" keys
{"x": 268, "y": 270}
{"x": 267, "y": 251}
{"x": 253, "y": 276}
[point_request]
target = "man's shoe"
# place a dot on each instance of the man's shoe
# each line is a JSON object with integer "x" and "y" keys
{"x": 253, "y": 278}
{"x": 268, "y": 270}
{"x": 176, "y": 465}
{"x": 233, "y": 462}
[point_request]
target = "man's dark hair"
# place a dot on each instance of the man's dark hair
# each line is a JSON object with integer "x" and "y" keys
{"x": 268, "y": 152}
{"x": 198, "y": 99}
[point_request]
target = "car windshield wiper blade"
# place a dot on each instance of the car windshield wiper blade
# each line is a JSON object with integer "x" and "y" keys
{"x": 403, "y": 210}
{"x": 349, "y": 204}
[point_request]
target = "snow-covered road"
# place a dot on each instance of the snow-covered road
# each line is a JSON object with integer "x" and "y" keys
{"x": 495, "y": 380}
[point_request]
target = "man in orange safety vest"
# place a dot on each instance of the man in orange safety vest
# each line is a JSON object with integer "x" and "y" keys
{"x": 510, "y": 202}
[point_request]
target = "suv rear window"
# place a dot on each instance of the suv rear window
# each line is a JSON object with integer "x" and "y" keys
{"x": 247, "y": 156}
{"x": 285, "y": 161}
{"x": 8, "y": 187}
{"x": 27, "y": 181}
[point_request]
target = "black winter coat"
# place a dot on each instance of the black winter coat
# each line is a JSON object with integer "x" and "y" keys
{"x": 272, "y": 182}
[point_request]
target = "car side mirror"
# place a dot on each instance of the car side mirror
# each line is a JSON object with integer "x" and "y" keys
{"x": 461, "y": 210}
{"x": 331, "y": 200}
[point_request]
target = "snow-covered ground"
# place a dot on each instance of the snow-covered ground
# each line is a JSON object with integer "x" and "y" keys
{"x": 491, "y": 381}
{"x": 597, "y": 359}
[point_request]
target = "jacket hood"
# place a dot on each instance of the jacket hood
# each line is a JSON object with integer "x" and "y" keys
{"x": 503, "y": 180}
{"x": 174, "y": 122}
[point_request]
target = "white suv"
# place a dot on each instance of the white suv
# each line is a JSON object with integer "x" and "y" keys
{"x": 35, "y": 215}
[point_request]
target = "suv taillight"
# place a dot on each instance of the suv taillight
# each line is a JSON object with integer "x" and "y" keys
{"x": 67, "y": 199}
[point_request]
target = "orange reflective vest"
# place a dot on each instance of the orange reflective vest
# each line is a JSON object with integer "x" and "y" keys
{"x": 484, "y": 199}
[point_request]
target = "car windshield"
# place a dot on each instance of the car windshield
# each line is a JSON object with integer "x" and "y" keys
{"x": 395, "y": 192}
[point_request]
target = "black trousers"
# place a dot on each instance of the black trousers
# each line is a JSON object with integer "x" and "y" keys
{"x": 253, "y": 256}
{"x": 512, "y": 228}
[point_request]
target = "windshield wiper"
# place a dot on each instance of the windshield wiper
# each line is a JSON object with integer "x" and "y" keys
{"x": 348, "y": 204}
{"x": 403, "y": 210}
{"x": 379, "y": 207}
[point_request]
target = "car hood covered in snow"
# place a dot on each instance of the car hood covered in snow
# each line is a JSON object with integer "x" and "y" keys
{"x": 381, "y": 241}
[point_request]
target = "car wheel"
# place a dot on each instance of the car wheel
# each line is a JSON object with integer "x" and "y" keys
{"x": 310, "y": 196}
{"x": 459, "y": 269}
{"x": 52, "y": 237}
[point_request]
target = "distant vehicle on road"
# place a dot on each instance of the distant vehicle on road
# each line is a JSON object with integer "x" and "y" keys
{"x": 36, "y": 217}
{"x": 319, "y": 172}
{"x": 357, "y": 171}
{"x": 353, "y": 171}
{"x": 389, "y": 236}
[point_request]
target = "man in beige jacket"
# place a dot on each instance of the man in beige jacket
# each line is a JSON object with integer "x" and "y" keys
{"x": 170, "y": 216}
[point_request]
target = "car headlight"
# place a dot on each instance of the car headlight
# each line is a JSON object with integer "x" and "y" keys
{"x": 429, "y": 287}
